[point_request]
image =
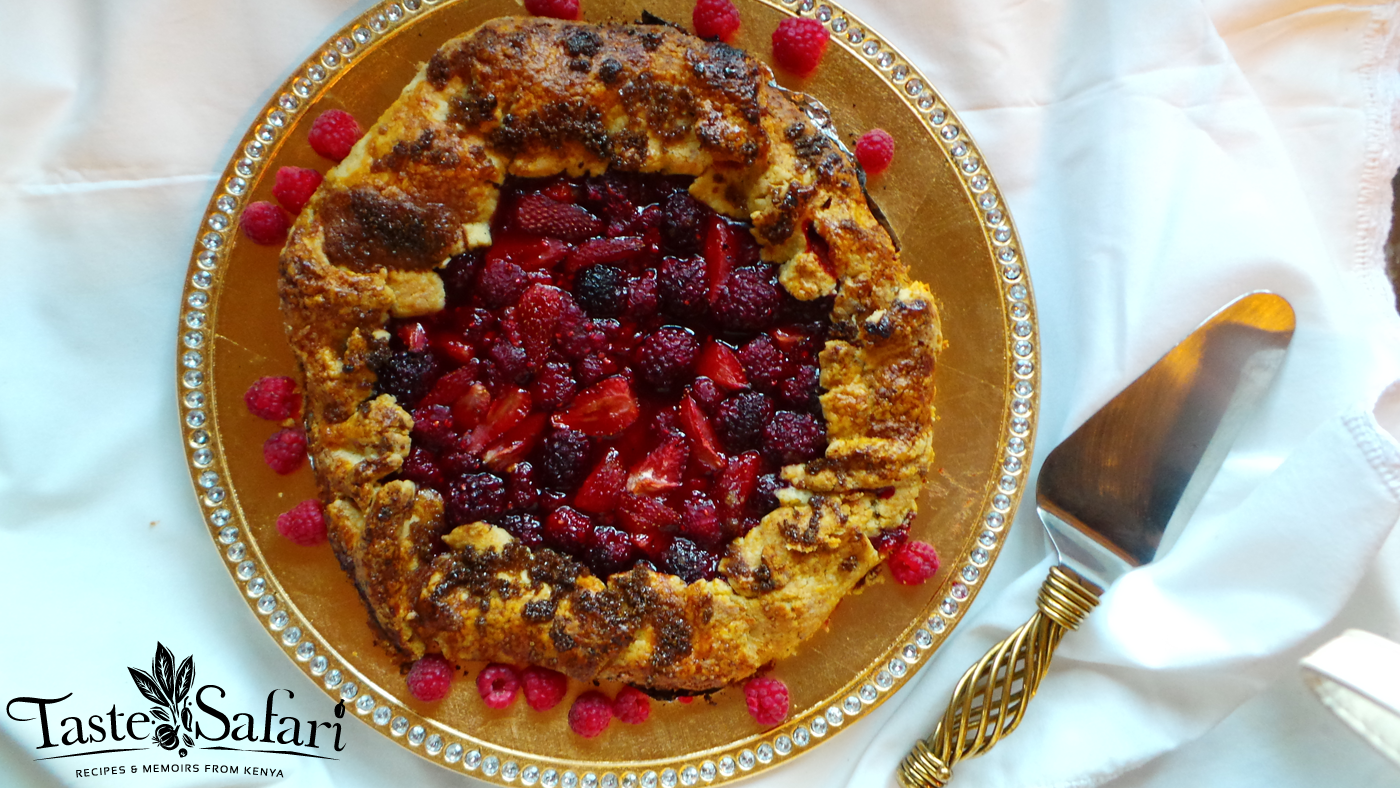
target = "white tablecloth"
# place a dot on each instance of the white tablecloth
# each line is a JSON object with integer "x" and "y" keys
{"x": 1160, "y": 157}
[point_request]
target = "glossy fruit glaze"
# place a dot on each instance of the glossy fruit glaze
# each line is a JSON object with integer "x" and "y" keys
{"x": 618, "y": 377}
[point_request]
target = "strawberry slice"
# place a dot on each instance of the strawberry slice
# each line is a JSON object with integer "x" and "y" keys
{"x": 600, "y": 491}
{"x": 458, "y": 351}
{"x": 719, "y": 363}
{"x": 450, "y": 387}
{"x": 560, "y": 190}
{"x": 531, "y": 254}
{"x": 702, "y": 436}
{"x": 470, "y": 407}
{"x": 720, "y": 247}
{"x": 642, "y": 514}
{"x": 515, "y": 445}
{"x": 789, "y": 342}
{"x": 604, "y": 409}
{"x": 662, "y": 469}
{"x": 737, "y": 482}
{"x": 414, "y": 336}
{"x": 653, "y": 545}
{"x": 538, "y": 316}
{"x": 541, "y": 215}
{"x": 505, "y": 412}
{"x": 604, "y": 250}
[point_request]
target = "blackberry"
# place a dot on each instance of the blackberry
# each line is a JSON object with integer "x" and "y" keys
{"x": 682, "y": 220}
{"x": 666, "y": 357}
{"x": 476, "y": 496}
{"x": 689, "y": 561}
{"x": 610, "y": 552}
{"x": 512, "y": 363}
{"x": 601, "y": 290}
{"x": 683, "y": 286}
{"x": 569, "y": 530}
{"x": 793, "y": 437}
{"x": 458, "y": 275}
{"x": 564, "y": 459}
{"x": 522, "y": 492}
{"x": 748, "y": 300}
{"x": 765, "y": 495}
{"x": 740, "y": 420}
{"x": 525, "y": 527}
{"x": 764, "y": 364}
{"x": 408, "y": 376}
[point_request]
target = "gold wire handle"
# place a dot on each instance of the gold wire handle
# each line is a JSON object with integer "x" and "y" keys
{"x": 992, "y": 695}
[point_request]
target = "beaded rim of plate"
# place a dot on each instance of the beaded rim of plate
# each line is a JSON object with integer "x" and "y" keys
{"x": 446, "y": 746}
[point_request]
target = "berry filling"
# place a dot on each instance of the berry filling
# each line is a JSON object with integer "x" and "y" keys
{"x": 619, "y": 377}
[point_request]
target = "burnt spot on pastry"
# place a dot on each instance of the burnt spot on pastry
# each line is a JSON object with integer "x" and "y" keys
{"x": 423, "y": 151}
{"x": 580, "y": 65}
{"x": 609, "y": 70}
{"x": 470, "y": 109}
{"x": 539, "y": 611}
{"x": 582, "y": 42}
{"x": 366, "y": 230}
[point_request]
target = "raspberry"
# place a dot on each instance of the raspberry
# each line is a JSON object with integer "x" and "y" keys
{"x": 700, "y": 521}
{"x": 284, "y": 451}
{"x": 715, "y": 19}
{"x": 590, "y": 714}
{"x": 525, "y": 527}
{"x": 764, "y": 363}
{"x": 748, "y": 300}
{"x": 683, "y": 286}
{"x": 544, "y": 688}
{"x": 432, "y": 427}
{"x": 334, "y": 133}
{"x": 498, "y": 685}
{"x": 689, "y": 561}
{"x": 273, "y": 398}
{"x": 264, "y": 223}
{"x": 793, "y": 437}
{"x": 767, "y": 699}
{"x": 569, "y": 530}
{"x": 421, "y": 468}
{"x": 430, "y": 678}
{"x": 799, "y": 43}
{"x": 875, "y": 150}
{"x": 799, "y": 390}
{"x": 474, "y": 497}
{"x": 304, "y": 524}
{"x": 610, "y": 552}
{"x": 601, "y": 290}
{"x": 682, "y": 216}
{"x": 564, "y": 459}
{"x": 501, "y": 283}
{"x": 554, "y": 386}
{"x": 294, "y": 186}
{"x": 740, "y": 420}
{"x": 521, "y": 490}
{"x": 559, "y": 9}
{"x": 666, "y": 357}
{"x": 408, "y": 376}
{"x": 913, "y": 562}
{"x": 643, "y": 298}
{"x": 631, "y": 706}
{"x": 541, "y": 215}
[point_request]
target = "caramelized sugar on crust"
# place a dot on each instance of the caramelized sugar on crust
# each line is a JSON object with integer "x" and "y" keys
{"x": 533, "y": 98}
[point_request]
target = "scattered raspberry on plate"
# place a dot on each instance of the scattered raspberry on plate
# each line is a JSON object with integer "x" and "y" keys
{"x": 430, "y": 678}
{"x": 590, "y": 714}
{"x": 285, "y": 450}
{"x": 498, "y": 685}
{"x": 558, "y": 9}
{"x": 913, "y": 563}
{"x": 334, "y": 133}
{"x": 631, "y": 706}
{"x": 273, "y": 398}
{"x": 767, "y": 699}
{"x": 264, "y": 223}
{"x": 304, "y": 524}
{"x": 799, "y": 43}
{"x": 293, "y": 186}
{"x": 875, "y": 151}
{"x": 715, "y": 19}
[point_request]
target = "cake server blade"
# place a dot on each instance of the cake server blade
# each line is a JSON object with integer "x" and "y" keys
{"x": 1112, "y": 496}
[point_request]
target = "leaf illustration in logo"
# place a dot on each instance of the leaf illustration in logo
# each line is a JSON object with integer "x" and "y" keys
{"x": 163, "y": 669}
{"x": 184, "y": 678}
{"x": 166, "y": 738}
{"x": 160, "y": 714}
{"x": 148, "y": 686}
{"x": 188, "y": 739}
{"x": 187, "y": 721}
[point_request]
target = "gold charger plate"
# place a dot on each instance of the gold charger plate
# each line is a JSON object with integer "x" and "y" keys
{"x": 955, "y": 235}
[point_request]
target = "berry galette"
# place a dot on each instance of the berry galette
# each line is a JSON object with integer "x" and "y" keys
{"x": 608, "y": 366}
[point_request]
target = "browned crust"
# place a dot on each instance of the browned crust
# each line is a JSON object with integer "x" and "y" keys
{"x": 537, "y": 97}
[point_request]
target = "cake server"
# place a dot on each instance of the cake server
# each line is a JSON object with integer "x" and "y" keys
{"x": 1111, "y": 497}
